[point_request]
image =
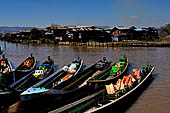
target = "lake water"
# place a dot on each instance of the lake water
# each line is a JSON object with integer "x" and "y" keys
{"x": 154, "y": 99}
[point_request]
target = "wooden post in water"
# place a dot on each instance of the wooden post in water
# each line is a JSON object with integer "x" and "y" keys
{"x": 5, "y": 44}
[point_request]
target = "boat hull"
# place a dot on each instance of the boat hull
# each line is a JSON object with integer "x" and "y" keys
{"x": 100, "y": 103}
{"x": 69, "y": 92}
{"x": 48, "y": 82}
{"x": 107, "y": 79}
{"x": 8, "y": 97}
{"x": 121, "y": 105}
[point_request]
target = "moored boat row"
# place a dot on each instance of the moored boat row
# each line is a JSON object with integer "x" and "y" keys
{"x": 113, "y": 93}
{"x": 72, "y": 89}
{"x": 15, "y": 81}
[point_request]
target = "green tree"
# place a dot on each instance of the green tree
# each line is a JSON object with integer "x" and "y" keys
{"x": 164, "y": 31}
{"x": 36, "y": 34}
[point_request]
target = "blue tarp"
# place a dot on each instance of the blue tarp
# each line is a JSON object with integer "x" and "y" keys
{"x": 45, "y": 64}
{"x": 113, "y": 36}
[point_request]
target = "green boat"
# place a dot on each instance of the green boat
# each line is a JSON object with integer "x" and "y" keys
{"x": 117, "y": 70}
{"x": 106, "y": 98}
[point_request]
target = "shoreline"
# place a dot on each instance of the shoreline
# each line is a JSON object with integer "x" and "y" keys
{"x": 101, "y": 44}
{"x": 117, "y": 44}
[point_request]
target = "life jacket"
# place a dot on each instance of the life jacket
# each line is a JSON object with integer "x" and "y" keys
{"x": 132, "y": 77}
{"x": 66, "y": 77}
{"x": 27, "y": 63}
{"x": 122, "y": 85}
{"x": 130, "y": 80}
{"x": 137, "y": 74}
{"x": 126, "y": 79}
{"x": 118, "y": 83}
{"x": 110, "y": 89}
{"x": 3, "y": 63}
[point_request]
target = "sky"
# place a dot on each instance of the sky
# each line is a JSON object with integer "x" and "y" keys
{"x": 43, "y": 13}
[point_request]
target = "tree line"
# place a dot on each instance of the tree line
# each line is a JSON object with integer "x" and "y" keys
{"x": 164, "y": 31}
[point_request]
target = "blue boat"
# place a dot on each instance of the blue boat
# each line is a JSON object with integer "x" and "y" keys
{"x": 6, "y": 71}
{"x": 58, "y": 79}
{"x": 8, "y": 95}
{"x": 43, "y": 71}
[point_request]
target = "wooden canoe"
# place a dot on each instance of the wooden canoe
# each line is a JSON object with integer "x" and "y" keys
{"x": 76, "y": 88}
{"x": 6, "y": 71}
{"x": 109, "y": 76}
{"x": 8, "y": 96}
{"x": 99, "y": 101}
{"x": 43, "y": 71}
{"x": 13, "y": 91}
{"x": 21, "y": 70}
{"x": 55, "y": 80}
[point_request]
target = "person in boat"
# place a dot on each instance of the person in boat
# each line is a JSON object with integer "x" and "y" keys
{"x": 4, "y": 65}
{"x": 102, "y": 63}
{"x": 27, "y": 64}
{"x": 50, "y": 61}
{"x": 105, "y": 61}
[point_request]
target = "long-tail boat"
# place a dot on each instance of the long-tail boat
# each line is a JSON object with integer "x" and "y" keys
{"x": 8, "y": 95}
{"x": 75, "y": 89}
{"x": 117, "y": 91}
{"x": 26, "y": 67}
{"x": 13, "y": 91}
{"x": 71, "y": 89}
{"x": 118, "y": 69}
{"x": 23, "y": 70}
{"x": 57, "y": 79}
{"x": 43, "y": 71}
{"x": 6, "y": 71}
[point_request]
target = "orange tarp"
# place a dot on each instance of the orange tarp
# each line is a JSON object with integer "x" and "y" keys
{"x": 110, "y": 89}
{"x": 66, "y": 77}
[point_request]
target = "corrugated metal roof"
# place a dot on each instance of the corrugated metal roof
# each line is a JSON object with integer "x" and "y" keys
{"x": 141, "y": 29}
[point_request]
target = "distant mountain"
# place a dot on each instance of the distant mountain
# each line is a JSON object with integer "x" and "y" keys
{"x": 13, "y": 29}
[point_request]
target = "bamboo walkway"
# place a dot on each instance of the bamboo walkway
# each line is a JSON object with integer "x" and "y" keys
{"x": 118, "y": 44}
